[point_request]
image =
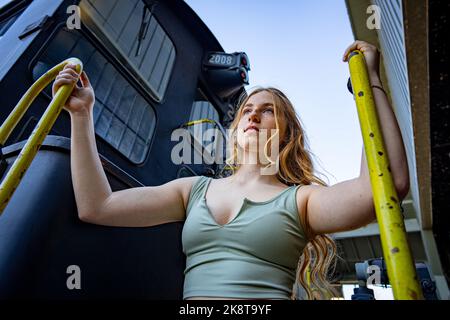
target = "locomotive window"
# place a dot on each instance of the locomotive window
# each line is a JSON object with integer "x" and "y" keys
{"x": 203, "y": 109}
{"x": 122, "y": 117}
{"x": 137, "y": 35}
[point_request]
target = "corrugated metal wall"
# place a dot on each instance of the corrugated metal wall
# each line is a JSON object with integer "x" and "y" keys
{"x": 392, "y": 43}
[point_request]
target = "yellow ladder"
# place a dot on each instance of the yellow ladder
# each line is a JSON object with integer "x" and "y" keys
{"x": 28, "y": 152}
{"x": 400, "y": 265}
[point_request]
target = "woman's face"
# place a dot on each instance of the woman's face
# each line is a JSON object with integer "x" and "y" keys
{"x": 258, "y": 112}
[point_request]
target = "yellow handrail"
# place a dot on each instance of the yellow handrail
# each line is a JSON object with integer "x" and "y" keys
{"x": 400, "y": 265}
{"x": 27, "y": 154}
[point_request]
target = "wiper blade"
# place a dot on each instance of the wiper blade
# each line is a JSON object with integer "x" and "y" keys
{"x": 145, "y": 23}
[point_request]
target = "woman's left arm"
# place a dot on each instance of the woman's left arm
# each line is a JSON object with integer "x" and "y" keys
{"x": 349, "y": 205}
{"x": 391, "y": 132}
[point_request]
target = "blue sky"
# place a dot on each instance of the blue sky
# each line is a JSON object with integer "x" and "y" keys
{"x": 297, "y": 46}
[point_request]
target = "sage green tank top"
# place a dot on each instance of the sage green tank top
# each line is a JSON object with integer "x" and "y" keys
{"x": 254, "y": 256}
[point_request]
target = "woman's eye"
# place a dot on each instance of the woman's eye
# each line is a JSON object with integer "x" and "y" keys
{"x": 246, "y": 111}
{"x": 269, "y": 110}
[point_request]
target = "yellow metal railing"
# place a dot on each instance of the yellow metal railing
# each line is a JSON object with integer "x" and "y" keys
{"x": 400, "y": 265}
{"x": 27, "y": 154}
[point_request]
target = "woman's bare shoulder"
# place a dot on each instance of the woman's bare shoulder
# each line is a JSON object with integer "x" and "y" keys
{"x": 302, "y": 196}
{"x": 186, "y": 183}
{"x": 185, "y": 186}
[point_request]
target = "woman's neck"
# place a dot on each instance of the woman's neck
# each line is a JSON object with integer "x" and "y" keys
{"x": 249, "y": 174}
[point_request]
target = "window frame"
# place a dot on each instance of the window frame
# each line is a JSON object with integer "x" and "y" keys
{"x": 106, "y": 40}
{"x": 109, "y": 56}
{"x": 200, "y": 90}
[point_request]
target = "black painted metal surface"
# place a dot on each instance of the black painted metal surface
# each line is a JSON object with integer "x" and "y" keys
{"x": 439, "y": 60}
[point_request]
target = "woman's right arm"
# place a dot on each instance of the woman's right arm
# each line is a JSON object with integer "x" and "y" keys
{"x": 96, "y": 203}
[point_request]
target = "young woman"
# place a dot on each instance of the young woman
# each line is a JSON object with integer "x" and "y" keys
{"x": 250, "y": 235}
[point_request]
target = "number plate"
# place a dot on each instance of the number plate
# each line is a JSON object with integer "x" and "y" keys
{"x": 220, "y": 60}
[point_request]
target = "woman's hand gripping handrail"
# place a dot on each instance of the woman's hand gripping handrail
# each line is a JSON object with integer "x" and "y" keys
{"x": 26, "y": 156}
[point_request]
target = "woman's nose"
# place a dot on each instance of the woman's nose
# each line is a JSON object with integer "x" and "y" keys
{"x": 253, "y": 116}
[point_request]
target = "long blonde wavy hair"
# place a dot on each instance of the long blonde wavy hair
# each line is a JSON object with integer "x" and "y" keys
{"x": 318, "y": 258}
